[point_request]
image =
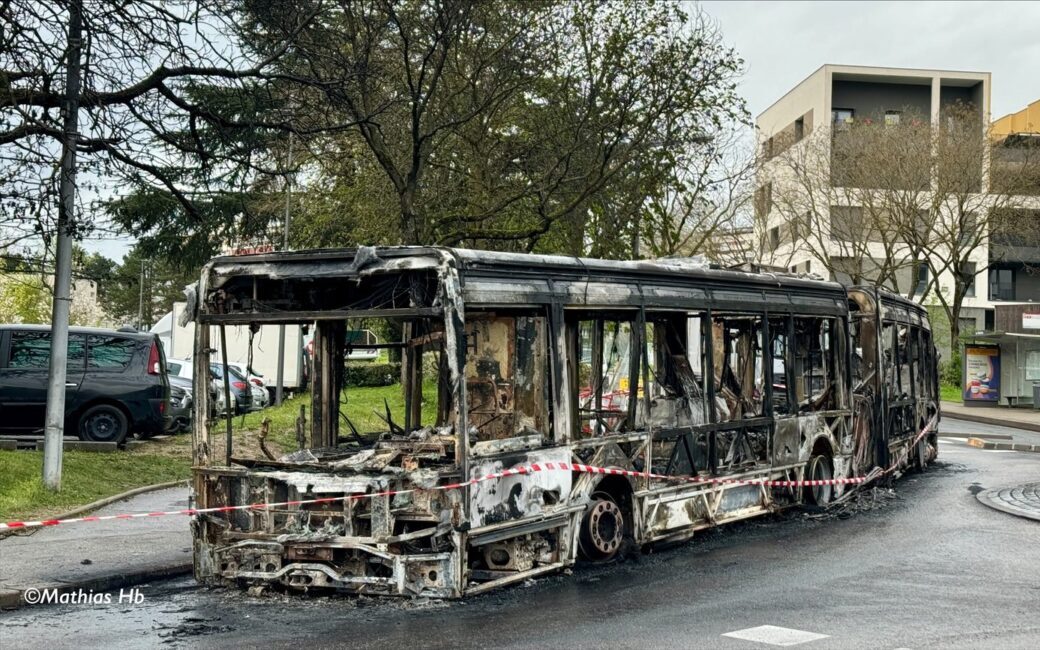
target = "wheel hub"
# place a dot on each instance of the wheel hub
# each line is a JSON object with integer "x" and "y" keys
{"x": 605, "y": 527}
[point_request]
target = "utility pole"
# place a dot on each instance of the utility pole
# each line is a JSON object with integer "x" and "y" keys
{"x": 280, "y": 379}
{"x": 56, "y": 386}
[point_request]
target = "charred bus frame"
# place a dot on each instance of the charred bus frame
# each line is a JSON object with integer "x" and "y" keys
{"x": 668, "y": 368}
{"x": 896, "y": 378}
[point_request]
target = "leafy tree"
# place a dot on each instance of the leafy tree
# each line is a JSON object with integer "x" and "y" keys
{"x": 525, "y": 126}
{"x": 24, "y": 298}
{"x": 164, "y": 85}
{"x": 164, "y": 284}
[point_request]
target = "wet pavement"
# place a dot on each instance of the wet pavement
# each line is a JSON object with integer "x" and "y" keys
{"x": 99, "y": 554}
{"x": 924, "y": 565}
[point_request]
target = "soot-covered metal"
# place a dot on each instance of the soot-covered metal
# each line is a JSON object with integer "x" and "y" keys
{"x": 668, "y": 367}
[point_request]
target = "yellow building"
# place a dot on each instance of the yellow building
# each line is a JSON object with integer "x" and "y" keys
{"x": 1026, "y": 120}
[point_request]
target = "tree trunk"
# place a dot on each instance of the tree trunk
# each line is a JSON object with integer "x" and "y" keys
{"x": 955, "y": 317}
{"x": 409, "y": 220}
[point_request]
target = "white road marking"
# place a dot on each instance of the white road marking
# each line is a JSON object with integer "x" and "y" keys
{"x": 773, "y": 635}
{"x": 951, "y": 441}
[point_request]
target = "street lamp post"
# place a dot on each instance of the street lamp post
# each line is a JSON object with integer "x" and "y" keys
{"x": 54, "y": 422}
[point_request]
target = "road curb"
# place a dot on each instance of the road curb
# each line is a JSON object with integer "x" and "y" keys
{"x": 984, "y": 436}
{"x": 979, "y": 443}
{"x": 1021, "y": 501}
{"x": 988, "y": 419}
{"x": 101, "y": 503}
{"x": 12, "y": 598}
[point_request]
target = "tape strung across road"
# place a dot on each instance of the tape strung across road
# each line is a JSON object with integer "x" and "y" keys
{"x": 515, "y": 471}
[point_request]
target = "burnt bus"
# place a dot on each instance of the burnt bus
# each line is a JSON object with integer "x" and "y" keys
{"x": 682, "y": 375}
{"x": 895, "y": 377}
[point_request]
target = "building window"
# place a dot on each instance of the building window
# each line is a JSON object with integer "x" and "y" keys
{"x": 847, "y": 223}
{"x": 968, "y": 277}
{"x": 1001, "y": 284}
{"x": 774, "y": 238}
{"x": 799, "y": 129}
{"x": 892, "y": 117}
{"x": 842, "y": 117}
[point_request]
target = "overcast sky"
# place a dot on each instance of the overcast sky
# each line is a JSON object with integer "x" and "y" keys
{"x": 783, "y": 42}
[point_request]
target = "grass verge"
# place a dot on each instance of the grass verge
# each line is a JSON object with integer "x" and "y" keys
{"x": 949, "y": 393}
{"x": 86, "y": 476}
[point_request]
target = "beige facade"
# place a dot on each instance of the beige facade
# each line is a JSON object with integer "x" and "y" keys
{"x": 830, "y": 99}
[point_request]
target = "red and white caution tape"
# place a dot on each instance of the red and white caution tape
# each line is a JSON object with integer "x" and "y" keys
{"x": 514, "y": 471}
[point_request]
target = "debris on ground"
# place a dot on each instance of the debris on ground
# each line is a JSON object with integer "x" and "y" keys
{"x": 875, "y": 498}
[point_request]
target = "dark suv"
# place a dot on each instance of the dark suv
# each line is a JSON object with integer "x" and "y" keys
{"x": 115, "y": 384}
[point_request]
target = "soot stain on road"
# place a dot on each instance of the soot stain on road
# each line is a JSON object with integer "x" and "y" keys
{"x": 236, "y": 609}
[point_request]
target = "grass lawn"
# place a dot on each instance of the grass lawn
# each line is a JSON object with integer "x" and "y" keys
{"x": 949, "y": 393}
{"x": 86, "y": 476}
{"x": 89, "y": 476}
{"x": 360, "y": 404}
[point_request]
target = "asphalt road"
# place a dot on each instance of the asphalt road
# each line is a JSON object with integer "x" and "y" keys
{"x": 926, "y": 566}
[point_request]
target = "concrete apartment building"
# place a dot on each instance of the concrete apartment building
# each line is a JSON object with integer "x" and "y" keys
{"x": 833, "y": 97}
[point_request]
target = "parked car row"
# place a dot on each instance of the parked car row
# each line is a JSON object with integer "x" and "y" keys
{"x": 247, "y": 393}
{"x": 118, "y": 383}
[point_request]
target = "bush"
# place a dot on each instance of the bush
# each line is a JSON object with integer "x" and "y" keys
{"x": 950, "y": 372}
{"x": 372, "y": 374}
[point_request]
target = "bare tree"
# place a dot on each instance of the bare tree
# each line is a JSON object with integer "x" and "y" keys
{"x": 883, "y": 200}
{"x": 983, "y": 207}
{"x": 705, "y": 211}
{"x": 843, "y": 195}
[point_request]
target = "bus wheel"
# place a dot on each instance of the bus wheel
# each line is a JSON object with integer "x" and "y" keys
{"x": 602, "y": 529}
{"x": 921, "y": 455}
{"x": 820, "y": 468}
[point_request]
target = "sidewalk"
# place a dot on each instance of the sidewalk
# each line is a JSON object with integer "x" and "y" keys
{"x": 100, "y": 555}
{"x": 1021, "y": 418}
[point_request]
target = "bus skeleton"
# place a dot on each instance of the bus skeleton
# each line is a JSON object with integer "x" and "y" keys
{"x": 668, "y": 368}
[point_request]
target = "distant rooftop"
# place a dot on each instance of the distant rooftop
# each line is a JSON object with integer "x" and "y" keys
{"x": 882, "y": 73}
{"x": 1025, "y": 121}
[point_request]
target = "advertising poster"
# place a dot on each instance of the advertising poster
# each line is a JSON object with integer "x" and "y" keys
{"x": 981, "y": 373}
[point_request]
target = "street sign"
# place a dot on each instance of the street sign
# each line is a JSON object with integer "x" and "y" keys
{"x": 1031, "y": 321}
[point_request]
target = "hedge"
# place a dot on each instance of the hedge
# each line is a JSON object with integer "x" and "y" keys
{"x": 372, "y": 374}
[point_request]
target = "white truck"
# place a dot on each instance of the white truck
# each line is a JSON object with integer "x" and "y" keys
{"x": 179, "y": 343}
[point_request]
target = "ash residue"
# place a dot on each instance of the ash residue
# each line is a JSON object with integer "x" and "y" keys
{"x": 875, "y": 498}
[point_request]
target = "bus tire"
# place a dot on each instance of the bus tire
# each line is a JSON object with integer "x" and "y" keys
{"x": 602, "y": 533}
{"x": 820, "y": 468}
{"x": 921, "y": 455}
